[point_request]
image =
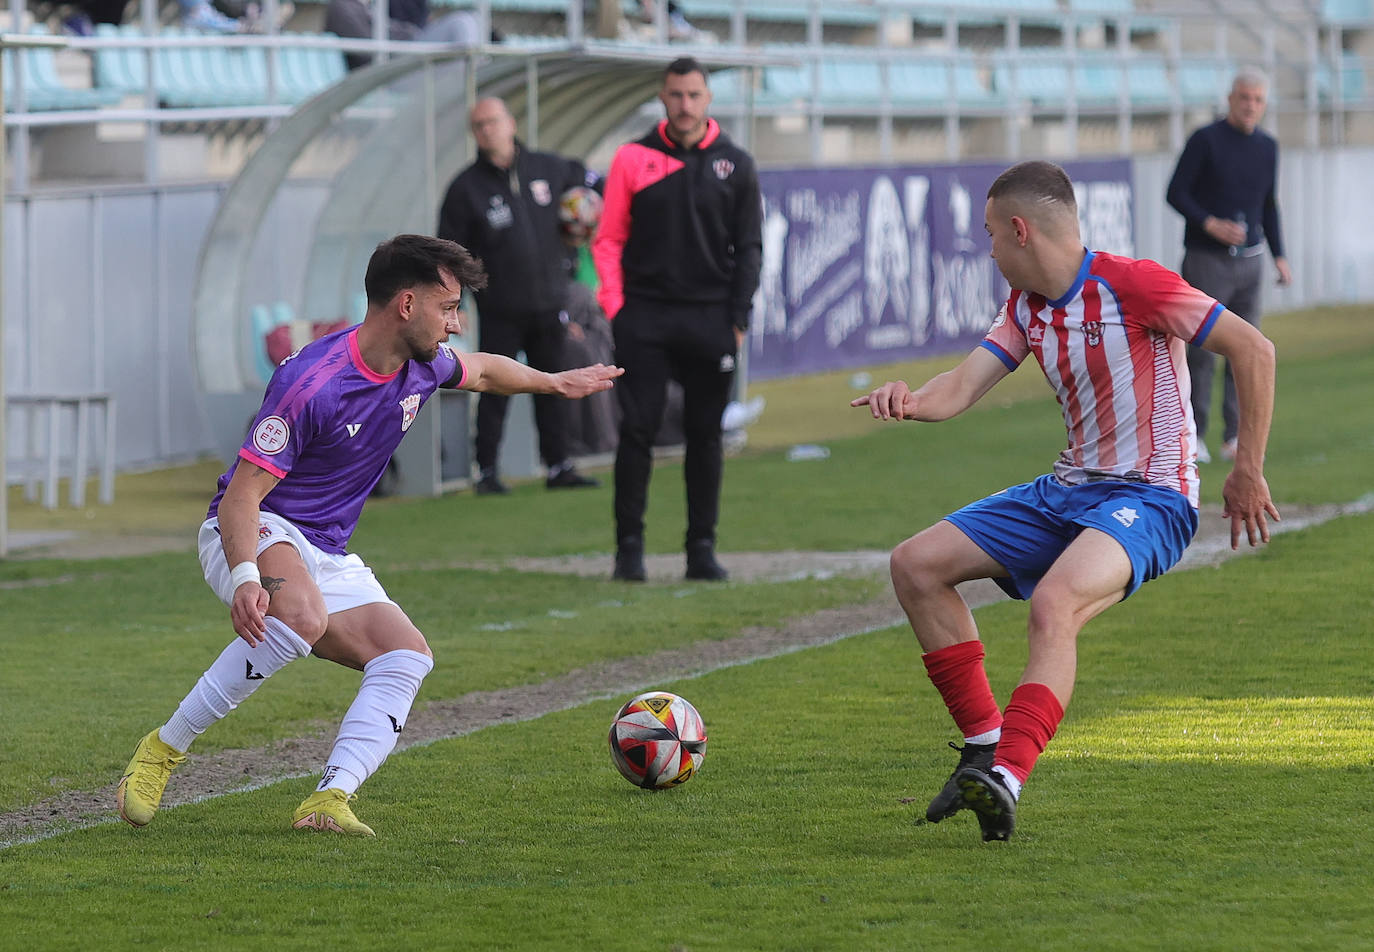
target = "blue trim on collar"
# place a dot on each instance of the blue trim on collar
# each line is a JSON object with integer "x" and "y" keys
{"x": 1078, "y": 280}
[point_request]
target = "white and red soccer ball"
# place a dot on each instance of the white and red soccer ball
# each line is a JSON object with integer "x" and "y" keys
{"x": 658, "y": 741}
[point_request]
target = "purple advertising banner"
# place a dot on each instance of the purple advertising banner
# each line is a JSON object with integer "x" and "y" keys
{"x": 870, "y": 266}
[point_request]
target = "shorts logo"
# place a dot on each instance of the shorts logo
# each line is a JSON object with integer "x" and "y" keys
{"x": 1092, "y": 330}
{"x": 1126, "y": 516}
{"x": 264, "y": 532}
{"x": 270, "y": 436}
{"x": 540, "y": 192}
{"x": 727, "y": 363}
{"x": 409, "y": 406}
{"x": 722, "y": 168}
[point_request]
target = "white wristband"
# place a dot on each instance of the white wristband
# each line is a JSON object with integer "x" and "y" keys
{"x": 244, "y": 572}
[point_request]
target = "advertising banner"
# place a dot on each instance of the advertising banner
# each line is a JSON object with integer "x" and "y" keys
{"x": 870, "y": 266}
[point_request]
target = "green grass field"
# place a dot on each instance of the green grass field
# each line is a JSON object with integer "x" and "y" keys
{"x": 1209, "y": 788}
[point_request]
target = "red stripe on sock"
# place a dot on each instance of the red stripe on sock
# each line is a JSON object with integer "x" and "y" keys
{"x": 957, "y": 673}
{"x": 1031, "y": 718}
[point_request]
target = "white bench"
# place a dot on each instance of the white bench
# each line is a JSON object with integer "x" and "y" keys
{"x": 45, "y": 414}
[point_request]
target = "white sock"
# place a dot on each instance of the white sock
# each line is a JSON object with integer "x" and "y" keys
{"x": 236, "y": 673}
{"x": 374, "y": 721}
{"x": 1010, "y": 780}
{"x": 987, "y": 737}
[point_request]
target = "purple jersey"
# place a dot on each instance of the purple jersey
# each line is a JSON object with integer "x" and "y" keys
{"x": 327, "y": 428}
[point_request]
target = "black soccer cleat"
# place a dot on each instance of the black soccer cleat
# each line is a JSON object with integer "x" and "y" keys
{"x": 986, "y": 795}
{"x": 950, "y": 799}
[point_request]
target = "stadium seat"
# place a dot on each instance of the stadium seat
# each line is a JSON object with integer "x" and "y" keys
{"x": 1204, "y": 82}
{"x": 925, "y": 82}
{"x": 44, "y": 90}
{"x": 1348, "y": 11}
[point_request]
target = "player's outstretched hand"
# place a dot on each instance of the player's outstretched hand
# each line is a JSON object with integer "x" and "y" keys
{"x": 891, "y": 401}
{"x": 248, "y": 612}
{"x": 1246, "y": 502}
{"x": 585, "y": 381}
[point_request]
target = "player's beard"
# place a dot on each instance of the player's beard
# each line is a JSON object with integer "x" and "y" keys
{"x": 423, "y": 351}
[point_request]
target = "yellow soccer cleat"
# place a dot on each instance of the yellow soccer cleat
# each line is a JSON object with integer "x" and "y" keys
{"x": 328, "y": 811}
{"x": 140, "y": 789}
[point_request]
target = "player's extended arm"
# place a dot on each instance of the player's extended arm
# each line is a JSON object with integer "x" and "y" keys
{"x": 492, "y": 373}
{"x": 942, "y": 396}
{"x": 1250, "y": 356}
{"x": 238, "y": 533}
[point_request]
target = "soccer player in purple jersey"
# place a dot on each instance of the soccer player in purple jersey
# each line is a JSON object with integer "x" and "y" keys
{"x": 1121, "y": 504}
{"x": 273, "y": 546}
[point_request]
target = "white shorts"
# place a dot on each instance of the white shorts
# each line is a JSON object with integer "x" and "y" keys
{"x": 345, "y": 581}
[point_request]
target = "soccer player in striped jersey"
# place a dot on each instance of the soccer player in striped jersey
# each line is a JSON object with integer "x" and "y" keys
{"x": 1119, "y": 507}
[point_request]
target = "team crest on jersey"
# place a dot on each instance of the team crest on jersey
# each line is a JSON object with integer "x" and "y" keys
{"x": 1092, "y": 330}
{"x": 722, "y": 168}
{"x": 270, "y": 436}
{"x": 540, "y": 191}
{"x": 1035, "y": 334}
{"x": 409, "y": 407}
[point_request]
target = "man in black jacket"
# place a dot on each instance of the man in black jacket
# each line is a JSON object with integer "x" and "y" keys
{"x": 678, "y": 254}
{"x": 504, "y": 209}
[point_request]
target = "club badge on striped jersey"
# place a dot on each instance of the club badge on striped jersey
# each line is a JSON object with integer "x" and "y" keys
{"x": 1092, "y": 330}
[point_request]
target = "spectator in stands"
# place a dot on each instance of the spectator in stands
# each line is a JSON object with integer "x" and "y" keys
{"x": 87, "y": 13}
{"x": 505, "y": 209}
{"x": 678, "y": 27}
{"x": 1225, "y": 187}
{"x": 678, "y": 252}
{"x": 407, "y": 20}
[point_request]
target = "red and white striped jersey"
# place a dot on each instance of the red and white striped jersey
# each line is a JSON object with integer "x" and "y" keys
{"x": 1113, "y": 350}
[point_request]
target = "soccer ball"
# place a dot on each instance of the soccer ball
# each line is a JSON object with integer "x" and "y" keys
{"x": 658, "y": 741}
{"x": 579, "y": 212}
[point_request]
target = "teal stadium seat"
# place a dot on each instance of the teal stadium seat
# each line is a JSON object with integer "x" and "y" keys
{"x": 44, "y": 90}
{"x": 1204, "y": 83}
{"x": 926, "y": 83}
{"x": 1354, "y": 12}
{"x": 993, "y": 12}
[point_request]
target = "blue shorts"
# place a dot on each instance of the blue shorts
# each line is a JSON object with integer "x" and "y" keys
{"x": 1027, "y": 527}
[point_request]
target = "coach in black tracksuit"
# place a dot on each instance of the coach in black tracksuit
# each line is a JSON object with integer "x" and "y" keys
{"x": 504, "y": 209}
{"x": 678, "y": 254}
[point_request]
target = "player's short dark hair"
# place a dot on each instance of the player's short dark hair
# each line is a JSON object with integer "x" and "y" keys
{"x": 412, "y": 261}
{"x": 684, "y": 66}
{"x": 1037, "y": 183}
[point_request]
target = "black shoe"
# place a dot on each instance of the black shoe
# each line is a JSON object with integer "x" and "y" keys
{"x": 629, "y": 561}
{"x": 570, "y": 478}
{"x": 702, "y": 565}
{"x": 950, "y": 799}
{"x": 489, "y": 485}
{"x": 986, "y": 795}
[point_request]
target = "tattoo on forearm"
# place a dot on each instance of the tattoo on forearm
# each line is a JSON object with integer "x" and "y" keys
{"x": 272, "y": 585}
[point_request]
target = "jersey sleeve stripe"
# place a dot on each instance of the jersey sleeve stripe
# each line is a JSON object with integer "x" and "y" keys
{"x": 1000, "y": 354}
{"x": 257, "y": 460}
{"x": 1208, "y": 323}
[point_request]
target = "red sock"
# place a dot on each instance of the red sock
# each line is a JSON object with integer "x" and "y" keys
{"x": 1030, "y": 721}
{"x": 957, "y": 673}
